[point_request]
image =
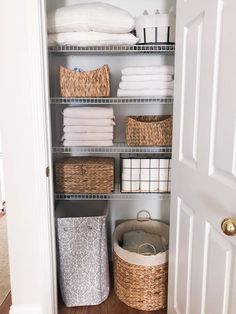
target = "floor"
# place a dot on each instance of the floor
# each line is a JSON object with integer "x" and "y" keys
{"x": 5, "y": 307}
{"x": 111, "y": 306}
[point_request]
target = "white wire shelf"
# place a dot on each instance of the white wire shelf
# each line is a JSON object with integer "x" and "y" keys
{"x": 116, "y": 148}
{"x": 113, "y": 50}
{"x": 117, "y": 195}
{"x": 111, "y": 101}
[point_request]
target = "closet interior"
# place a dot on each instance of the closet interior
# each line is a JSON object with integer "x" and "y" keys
{"x": 123, "y": 182}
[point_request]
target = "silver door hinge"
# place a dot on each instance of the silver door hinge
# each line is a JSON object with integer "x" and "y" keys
{"x": 47, "y": 172}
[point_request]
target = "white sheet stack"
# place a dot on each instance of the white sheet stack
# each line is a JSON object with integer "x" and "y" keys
{"x": 146, "y": 81}
{"x": 146, "y": 175}
{"x": 90, "y": 24}
{"x": 88, "y": 126}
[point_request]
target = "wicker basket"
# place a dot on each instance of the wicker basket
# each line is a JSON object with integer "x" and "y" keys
{"x": 94, "y": 83}
{"x": 85, "y": 175}
{"x": 141, "y": 281}
{"x": 149, "y": 131}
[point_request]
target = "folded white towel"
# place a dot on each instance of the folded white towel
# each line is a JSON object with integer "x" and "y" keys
{"x": 159, "y": 69}
{"x": 87, "y": 143}
{"x": 145, "y": 93}
{"x": 131, "y": 163}
{"x": 138, "y": 78}
{"x": 89, "y": 112}
{"x": 131, "y": 174}
{"x": 88, "y": 122}
{"x": 91, "y": 39}
{"x": 87, "y": 136}
{"x": 88, "y": 129}
{"x": 146, "y": 85}
{"x": 130, "y": 186}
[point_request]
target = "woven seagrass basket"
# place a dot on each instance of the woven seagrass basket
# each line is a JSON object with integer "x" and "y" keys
{"x": 141, "y": 281}
{"x": 85, "y": 175}
{"x": 94, "y": 83}
{"x": 149, "y": 130}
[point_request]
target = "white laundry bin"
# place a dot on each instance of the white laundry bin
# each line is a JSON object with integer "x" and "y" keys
{"x": 82, "y": 256}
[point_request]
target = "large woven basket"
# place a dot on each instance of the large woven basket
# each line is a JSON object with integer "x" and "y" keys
{"x": 85, "y": 175}
{"x": 94, "y": 83}
{"x": 141, "y": 281}
{"x": 149, "y": 130}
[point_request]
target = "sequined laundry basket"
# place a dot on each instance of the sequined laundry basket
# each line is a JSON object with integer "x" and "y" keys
{"x": 82, "y": 256}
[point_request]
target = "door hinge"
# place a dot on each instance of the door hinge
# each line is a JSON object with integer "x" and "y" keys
{"x": 47, "y": 172}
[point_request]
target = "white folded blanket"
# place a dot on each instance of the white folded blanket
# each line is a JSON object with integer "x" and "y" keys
{"x": 89, "y": 112}
{"x": 88, "y": 122}
{"x": 147, "y": 77}
{"x": 146, "y": 85}
{"x": 87, "y": 136}
{"x": 91, "y": 39}
{"x": 159, "y": 69}
{"x": 88, "y": 129}
{"x": 145, "y": 93}
{"x": 87, "y": 143}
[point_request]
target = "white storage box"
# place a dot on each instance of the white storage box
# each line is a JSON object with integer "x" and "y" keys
{"x": 155, "y": 28}
{"x": 83, "y": 269}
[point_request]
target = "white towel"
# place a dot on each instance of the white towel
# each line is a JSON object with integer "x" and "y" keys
{"x": 88, "y": 129}
{"x": 91, "y": 39}
{"x": 88, "y": 136}
{"x": 145, "y": 93}
{"x": 89, "y": 112}
{"x": 88, "y": 122}
{"x": 130, "y": 186}
{"x": 146, "y": 85}
{"x": 159, "y": 69}
{"x": 87, "y": 143}
{"x": 131, "y": 174}
{"x": 138, "y": 78}
{"x": 131, "y": 163}
{"x": 149, "y": 186}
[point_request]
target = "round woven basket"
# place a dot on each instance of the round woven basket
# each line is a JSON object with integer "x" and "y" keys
{"x": 94, "y": 83}
{"x": 149, "y": 131}
{"x": 141, "y": 281}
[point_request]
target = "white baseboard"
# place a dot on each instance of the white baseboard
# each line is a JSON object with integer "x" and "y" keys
{"x": 26, "y": 309}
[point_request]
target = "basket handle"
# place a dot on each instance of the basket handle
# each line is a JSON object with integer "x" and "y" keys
{"x": 143, "y": 218}
{"x": 150, "y": 245}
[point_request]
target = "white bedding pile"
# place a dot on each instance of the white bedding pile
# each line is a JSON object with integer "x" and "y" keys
{"x": 146, "y": 81}
{"x": 88, "y": 126}
{"x": 90, "y": 24}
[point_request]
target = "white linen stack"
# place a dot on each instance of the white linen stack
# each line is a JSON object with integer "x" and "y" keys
{"x": 90, "y": 24}
{"x": 88, "y": 126}
{"x": 146, "y": 81}
{"x": 146, "y": 175}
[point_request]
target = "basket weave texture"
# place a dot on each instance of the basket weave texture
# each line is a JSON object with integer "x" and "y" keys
{"x": 149, "y": 130}
{"x": 94, "y": 83}
{"x": 85, "y": 175}
{"x": 141, "y": 287}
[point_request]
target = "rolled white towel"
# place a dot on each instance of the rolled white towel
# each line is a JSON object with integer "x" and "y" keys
{"x": 88, "y": 129}
{"x": 148, "y": 186}
{"x": 88, "y": 136}
{"x": 158, "y": 69}
{"x": 130, "y": 186}
{"x": 87, "y": 143}
{"x": 89, "y": 112}
{"x": 144, "y": 78}
{"x": 131, "y": 163}
{"x": 88, "y": 122}
{"x": 130, "y": 174}
{"x": 146, "y": 85}
{"x": 145, "y": 93}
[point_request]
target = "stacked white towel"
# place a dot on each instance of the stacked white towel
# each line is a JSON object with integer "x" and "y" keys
{"x": 88, "y": 126}
{"x": 146, "y": 81}
{"x": 90, "y": 24}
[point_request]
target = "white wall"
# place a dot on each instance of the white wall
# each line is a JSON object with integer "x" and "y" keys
{"x": 24, "y": 141}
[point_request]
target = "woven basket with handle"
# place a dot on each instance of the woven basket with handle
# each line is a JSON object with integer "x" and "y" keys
{"x": 85, "y": 175}
{"x": 94, "y": 83}
{"x": 149, "y": 130}
{"x": 140, "y": 280}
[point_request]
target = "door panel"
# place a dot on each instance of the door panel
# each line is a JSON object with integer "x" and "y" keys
{"x": 202, "y": 260}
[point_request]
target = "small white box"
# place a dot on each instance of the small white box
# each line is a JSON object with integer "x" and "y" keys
{"x": 155, "y": 28}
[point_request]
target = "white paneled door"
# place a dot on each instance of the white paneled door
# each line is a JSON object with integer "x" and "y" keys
{"x": 202, "y": 275}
